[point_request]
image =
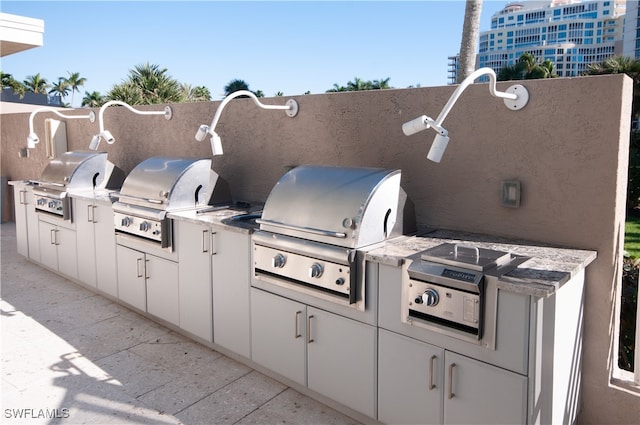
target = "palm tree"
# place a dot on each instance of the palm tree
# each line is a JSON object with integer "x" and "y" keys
{"x": 92, "y": 100}
{"x": 381, "y": 84}
{"x": 75, "y": 82}
{"x": 195, "y": 94}
{"x": 527, "y": 68}
{"x": 147, "y": 84}
{"x": 470, "y": 36}
{"x": 9, "y": 82}
{"x": 60, "y": 88}
{"x": 234, "y": 86}
{"x": 336, "y": 88}
{"x": 36, "y": 84}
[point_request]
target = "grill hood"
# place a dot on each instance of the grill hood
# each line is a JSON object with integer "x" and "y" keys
{"x": 170, "y": 184}
{"x": 345, "y": 206}
{"x": 80, "y": 170}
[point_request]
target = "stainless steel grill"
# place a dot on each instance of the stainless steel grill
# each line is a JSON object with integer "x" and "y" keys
{"x": 73, "y": 171}
{"x": 160, "y": 185}
{"x": 318, "y": 222}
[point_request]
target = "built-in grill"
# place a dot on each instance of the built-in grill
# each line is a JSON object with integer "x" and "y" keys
{"x": 73, "y": 171}
{"x": 318, "y": 222}
{"x": 451, "y": 289}
{"x": 160, "y": 185}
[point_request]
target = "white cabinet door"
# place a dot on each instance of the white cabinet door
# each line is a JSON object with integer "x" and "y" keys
{"x": 410, "y": 380}
{"x": 33, "y": 234}
{"x": 105, "y": 242}
{"x": 83, "y": 216}
{"x": 342, "y": 360}
{"x": 67, "y": 252}
{"x": 478, "y": 393}
{"x": 58, "y": 249}
{"x": 194, "y": 274}
{"x": 48, "y": 247}
{"x": 162, "y": 288}
{"x": 20, "y": 207}
{"x": 131, "y": 281}
{"x": 231, "y": 273}
{"x": 278, "y": 335}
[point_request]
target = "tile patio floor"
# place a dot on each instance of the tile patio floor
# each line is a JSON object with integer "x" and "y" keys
{"x": 71, "y": 353}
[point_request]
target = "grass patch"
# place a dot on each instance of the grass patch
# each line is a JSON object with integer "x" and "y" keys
{"x": 632, "y": 236}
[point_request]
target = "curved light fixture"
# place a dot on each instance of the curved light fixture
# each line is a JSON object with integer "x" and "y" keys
{"x": 515, "y": 98}
{"x": 106, "y": 134}
{"x": 33, "y": 139}
{"x": 290, "y": 108}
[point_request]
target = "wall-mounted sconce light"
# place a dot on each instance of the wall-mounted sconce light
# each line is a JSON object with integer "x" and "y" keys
{"x": 515, "y": 98}
{"x": 33, "y": 138}
{"x": 106, "y": 134}
{"x": 290, "y": 108}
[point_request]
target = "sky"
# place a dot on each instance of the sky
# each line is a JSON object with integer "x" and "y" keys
{"x": 274, "y": 46}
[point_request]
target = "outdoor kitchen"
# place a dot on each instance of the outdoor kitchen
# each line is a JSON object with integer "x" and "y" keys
{"x": 324, "y": 248}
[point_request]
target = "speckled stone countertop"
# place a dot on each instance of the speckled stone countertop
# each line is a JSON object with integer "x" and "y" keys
{"x": 234, "y": 219}
{"x": 541, "y": 274}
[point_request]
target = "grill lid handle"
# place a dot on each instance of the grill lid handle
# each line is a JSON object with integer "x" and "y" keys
{"x": 311, "y": 230}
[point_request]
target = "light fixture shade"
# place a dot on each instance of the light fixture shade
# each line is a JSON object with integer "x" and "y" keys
{"x": 202, "y": 132}
{"x": 95, "y": 142}
{"x": 415, "y": 126}
{"x": 108, "y": 137}
{"x": 216, "y": 144}
{"x": 438, "y": 147}
{"x": 32, "y": 140}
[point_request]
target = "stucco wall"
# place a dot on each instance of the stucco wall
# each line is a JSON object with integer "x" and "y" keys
{"x": 568, "y": 147}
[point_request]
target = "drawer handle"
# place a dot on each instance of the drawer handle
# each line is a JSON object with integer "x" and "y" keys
{"x": 204, "y": 241}
{"x": 309, "y": 340}
{"x": 297, "y": 330}
{"x": 451, "y": 394}
{"x": 431, "y": 361}
{"x": 139, "y": 261}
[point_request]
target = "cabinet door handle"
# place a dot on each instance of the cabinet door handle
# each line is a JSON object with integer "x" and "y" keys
{"x": 309, "y": 339}
{"x": 431, "y": 362}
{"x": 214, "y": 250}
{"x": 297, "y": 333}
{"x": 52, "y": 236}
{"x": 23, "y": 197}
{"x": 146, "y": 269}
{"x": 451, "y": 394}
{"x": 138, "y": 263}
{"x": 90, "y": 214}
{"x": 205, "y": 233}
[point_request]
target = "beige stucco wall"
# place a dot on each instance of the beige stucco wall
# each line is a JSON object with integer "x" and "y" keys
{"x": 568, "y": 148}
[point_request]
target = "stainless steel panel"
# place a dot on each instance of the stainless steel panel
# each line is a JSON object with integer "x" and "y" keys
{"x": 76, "y": 169}
{"x": 469, "y": 257}
{"x": 169, "y": 183}
{"x": 344, "y": 206}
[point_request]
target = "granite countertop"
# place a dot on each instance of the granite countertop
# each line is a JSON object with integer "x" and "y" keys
{"x": 541, "y": 272}
{"x": 235, "y": 218}
{"x": 104, "y": 196}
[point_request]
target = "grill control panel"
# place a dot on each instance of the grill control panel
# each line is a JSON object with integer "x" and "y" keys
{"x": 305, "y": 270}
{"x": 139, "y": 226}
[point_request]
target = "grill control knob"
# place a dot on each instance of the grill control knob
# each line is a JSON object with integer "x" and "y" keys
{"x": 144, "y": 226}
{"x": 42, "y": 201}
{"x": 126, "y": 222}
{"x": 279, "y": 261}
{"x": 316, "y": 270}
{"x": 430, "y": 297}
{"x": 52, "y": 204}
{"x": 340, "y": 281}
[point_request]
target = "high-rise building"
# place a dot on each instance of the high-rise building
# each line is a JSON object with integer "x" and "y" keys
{"x": 631, "y": 36}
{"x": 570, "y": 33}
